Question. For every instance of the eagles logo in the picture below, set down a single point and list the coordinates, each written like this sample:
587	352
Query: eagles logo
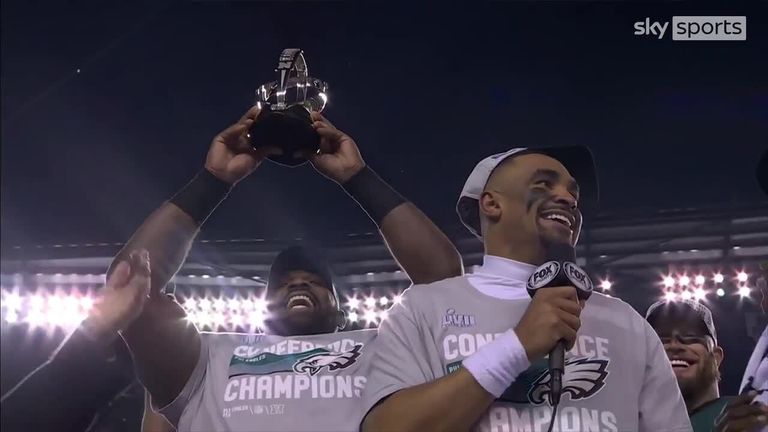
332	360
582	378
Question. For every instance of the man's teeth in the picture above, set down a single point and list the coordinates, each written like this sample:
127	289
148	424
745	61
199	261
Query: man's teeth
681	363
559	218
299	301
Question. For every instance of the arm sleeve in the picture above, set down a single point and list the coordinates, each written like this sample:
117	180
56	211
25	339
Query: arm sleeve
45	399
194	385
401	359
661	404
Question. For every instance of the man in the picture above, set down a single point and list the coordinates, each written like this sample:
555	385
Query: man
301	375
468	352
87	362
687	331
749	411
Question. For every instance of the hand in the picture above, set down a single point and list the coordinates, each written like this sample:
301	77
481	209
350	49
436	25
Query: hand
123	297
339	158
231	157
552	315
742	415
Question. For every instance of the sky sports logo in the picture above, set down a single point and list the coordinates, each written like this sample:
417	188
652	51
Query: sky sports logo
696	28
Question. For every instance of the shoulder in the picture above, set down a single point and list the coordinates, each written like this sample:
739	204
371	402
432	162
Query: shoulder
615	312
423	292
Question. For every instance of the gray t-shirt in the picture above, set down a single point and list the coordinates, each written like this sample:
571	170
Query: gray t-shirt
617	376
248	382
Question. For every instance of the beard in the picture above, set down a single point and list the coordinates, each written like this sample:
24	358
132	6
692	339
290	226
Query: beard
708	374
289	323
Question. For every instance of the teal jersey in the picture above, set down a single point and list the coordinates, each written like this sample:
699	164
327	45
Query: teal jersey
703	417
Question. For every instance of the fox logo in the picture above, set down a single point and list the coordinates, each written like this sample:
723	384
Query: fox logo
313	364
582	378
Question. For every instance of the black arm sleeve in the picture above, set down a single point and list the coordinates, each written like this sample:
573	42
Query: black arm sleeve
65	392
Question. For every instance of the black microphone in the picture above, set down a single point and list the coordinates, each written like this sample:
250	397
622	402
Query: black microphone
559	270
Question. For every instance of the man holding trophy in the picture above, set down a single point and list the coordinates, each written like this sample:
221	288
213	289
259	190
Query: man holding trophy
302	374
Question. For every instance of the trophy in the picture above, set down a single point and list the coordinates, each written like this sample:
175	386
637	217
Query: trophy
285	104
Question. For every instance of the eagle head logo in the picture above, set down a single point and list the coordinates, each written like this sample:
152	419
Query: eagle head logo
313	364
583	378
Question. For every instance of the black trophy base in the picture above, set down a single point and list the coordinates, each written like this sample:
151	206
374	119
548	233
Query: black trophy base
290	130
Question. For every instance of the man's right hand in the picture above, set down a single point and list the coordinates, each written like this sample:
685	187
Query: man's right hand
553	315
743	415
231	157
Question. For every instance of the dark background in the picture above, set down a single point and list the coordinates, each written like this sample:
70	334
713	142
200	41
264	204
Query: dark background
426	91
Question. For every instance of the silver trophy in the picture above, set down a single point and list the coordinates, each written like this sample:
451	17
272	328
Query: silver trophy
285	105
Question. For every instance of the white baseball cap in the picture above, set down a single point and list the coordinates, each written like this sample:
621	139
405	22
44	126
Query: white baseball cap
680	308
576	159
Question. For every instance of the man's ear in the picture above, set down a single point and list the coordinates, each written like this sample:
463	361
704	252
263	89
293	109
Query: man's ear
719	355
489	206
341	320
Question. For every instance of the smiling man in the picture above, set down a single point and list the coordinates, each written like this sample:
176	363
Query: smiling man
688	333
302	374
469	352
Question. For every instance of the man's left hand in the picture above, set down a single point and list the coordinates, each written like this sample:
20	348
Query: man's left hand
339	158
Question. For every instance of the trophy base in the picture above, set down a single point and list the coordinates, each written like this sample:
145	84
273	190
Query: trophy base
290	130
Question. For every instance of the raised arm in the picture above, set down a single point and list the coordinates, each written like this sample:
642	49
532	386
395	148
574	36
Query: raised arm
423	252
165	346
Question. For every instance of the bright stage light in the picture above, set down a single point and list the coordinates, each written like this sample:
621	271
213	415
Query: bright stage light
720	292
397	299
256	319
205	305
236	319
370	317
12	302
744	291
742	277
686	295
670	296
219	304
669	281
35	318
700	280
352	316
86	303
699	294
383	315
684	280
190	304
383	301
11	317
370	302
233	304
606	285
718	278
353	302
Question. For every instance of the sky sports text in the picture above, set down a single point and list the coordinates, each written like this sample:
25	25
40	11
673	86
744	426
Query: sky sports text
696	28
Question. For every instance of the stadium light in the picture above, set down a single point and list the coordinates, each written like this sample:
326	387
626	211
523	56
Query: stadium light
12	302
720	292
742	277
369	316
744	291
397	299
606	285
670	296
684	280
353	302
383	301
700	280
370	302
11	317
352	316
686	295
669	281
699	294
718	278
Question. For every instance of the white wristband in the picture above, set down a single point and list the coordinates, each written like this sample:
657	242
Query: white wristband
496	365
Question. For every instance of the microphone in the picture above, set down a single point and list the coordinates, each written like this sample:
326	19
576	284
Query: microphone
559	270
